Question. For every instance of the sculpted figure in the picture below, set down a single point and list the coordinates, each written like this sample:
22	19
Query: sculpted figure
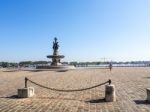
55	44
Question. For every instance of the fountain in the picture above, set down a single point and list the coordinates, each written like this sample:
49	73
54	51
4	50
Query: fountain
55	57
56	64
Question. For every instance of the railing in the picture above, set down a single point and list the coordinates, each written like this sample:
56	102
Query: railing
62	90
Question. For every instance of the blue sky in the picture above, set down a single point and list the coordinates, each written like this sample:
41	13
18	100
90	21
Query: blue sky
87	30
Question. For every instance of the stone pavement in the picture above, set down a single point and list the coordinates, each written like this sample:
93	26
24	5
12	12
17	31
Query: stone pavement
130	90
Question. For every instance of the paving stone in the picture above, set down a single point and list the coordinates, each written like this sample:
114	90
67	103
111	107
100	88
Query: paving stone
130	84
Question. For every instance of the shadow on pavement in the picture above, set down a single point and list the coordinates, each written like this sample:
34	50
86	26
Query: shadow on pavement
12	97
96	101
141	102
147	77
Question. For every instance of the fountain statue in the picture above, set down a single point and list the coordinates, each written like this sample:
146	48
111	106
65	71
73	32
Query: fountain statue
55	57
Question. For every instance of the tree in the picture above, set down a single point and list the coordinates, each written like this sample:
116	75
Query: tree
40	62
4	64
74	63
23	63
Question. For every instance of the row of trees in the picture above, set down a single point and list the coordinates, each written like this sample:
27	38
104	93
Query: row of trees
26	63
7	64
75	63
23	63
87	63
33	62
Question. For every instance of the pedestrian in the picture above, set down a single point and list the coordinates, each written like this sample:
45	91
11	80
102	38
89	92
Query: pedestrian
110	66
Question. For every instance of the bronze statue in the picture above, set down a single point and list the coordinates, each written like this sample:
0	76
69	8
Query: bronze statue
55	44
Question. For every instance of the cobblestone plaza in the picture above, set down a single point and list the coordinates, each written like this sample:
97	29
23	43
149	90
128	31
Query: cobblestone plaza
130	83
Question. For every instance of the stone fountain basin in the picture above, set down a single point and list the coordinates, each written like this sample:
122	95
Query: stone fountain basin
58	67
55	56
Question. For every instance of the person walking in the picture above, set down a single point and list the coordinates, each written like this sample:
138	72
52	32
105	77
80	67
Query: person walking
110	66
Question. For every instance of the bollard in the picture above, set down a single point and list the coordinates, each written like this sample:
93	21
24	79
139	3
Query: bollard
148	94
110	95
26	79
26	92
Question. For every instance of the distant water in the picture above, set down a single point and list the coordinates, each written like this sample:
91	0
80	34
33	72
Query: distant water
114	65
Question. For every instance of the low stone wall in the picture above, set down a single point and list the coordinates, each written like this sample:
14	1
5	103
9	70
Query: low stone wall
55	67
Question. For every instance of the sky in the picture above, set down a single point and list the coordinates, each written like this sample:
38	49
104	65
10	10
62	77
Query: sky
87	30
